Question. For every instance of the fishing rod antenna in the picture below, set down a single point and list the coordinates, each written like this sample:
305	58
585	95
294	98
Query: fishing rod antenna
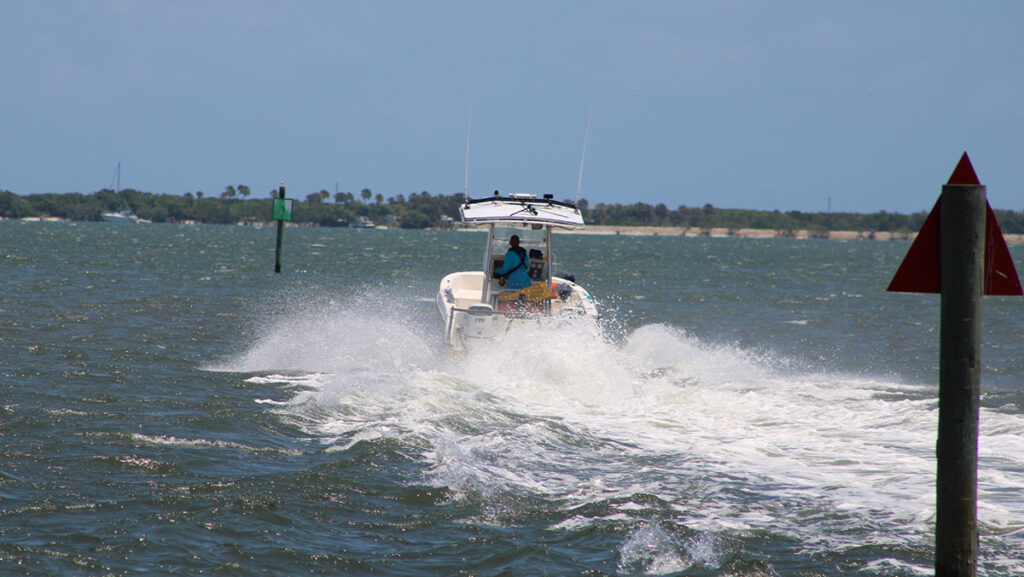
469	128
583	156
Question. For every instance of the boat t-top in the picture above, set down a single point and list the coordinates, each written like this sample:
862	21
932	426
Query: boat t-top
478	306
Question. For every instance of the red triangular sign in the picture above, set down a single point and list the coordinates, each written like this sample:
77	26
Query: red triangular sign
1000	274
921	269
964	173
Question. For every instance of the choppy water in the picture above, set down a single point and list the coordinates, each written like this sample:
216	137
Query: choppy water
168	405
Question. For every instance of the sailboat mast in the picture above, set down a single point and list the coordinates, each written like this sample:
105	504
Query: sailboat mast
117	178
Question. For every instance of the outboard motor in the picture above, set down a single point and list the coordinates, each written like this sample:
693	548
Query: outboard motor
480	322
563	291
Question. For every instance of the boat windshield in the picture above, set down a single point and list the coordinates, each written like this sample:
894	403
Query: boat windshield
532	238
528	238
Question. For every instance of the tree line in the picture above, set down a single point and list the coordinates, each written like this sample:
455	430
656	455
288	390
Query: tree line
423	210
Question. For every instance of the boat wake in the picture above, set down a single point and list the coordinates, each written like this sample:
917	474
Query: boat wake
685	445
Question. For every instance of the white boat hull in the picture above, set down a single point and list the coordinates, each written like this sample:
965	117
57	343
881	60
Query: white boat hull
469	321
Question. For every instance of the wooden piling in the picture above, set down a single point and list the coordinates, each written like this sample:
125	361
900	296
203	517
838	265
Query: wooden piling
962	241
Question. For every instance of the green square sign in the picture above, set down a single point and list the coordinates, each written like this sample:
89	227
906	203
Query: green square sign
283	209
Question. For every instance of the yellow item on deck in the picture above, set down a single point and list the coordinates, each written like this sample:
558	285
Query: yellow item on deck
533	294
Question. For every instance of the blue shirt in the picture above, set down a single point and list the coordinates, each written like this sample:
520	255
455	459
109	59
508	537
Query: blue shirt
520	277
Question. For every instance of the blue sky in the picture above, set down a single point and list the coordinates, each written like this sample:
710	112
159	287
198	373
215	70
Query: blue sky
762	105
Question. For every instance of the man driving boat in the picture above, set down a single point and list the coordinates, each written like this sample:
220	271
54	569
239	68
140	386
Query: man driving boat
516	267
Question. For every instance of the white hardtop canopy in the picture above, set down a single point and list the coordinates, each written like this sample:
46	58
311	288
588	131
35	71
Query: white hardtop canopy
521	208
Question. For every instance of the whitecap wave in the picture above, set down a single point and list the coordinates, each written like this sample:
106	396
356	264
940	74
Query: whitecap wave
732	440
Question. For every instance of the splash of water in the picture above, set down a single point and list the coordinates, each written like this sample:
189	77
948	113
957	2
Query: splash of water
724	439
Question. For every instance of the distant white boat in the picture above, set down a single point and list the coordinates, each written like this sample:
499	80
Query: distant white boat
362	222
125	215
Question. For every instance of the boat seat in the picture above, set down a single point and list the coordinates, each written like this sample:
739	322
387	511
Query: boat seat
520	307
534	293
465	289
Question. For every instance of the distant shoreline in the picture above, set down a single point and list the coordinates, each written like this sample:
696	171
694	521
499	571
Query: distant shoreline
756	233
716	232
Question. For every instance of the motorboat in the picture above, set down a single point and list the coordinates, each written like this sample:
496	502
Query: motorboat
362	222
479	306
122	216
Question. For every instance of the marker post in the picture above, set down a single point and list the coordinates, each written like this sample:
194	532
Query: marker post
960	253
282	212
962	242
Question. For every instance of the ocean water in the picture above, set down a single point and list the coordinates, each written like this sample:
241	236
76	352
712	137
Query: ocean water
168	405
